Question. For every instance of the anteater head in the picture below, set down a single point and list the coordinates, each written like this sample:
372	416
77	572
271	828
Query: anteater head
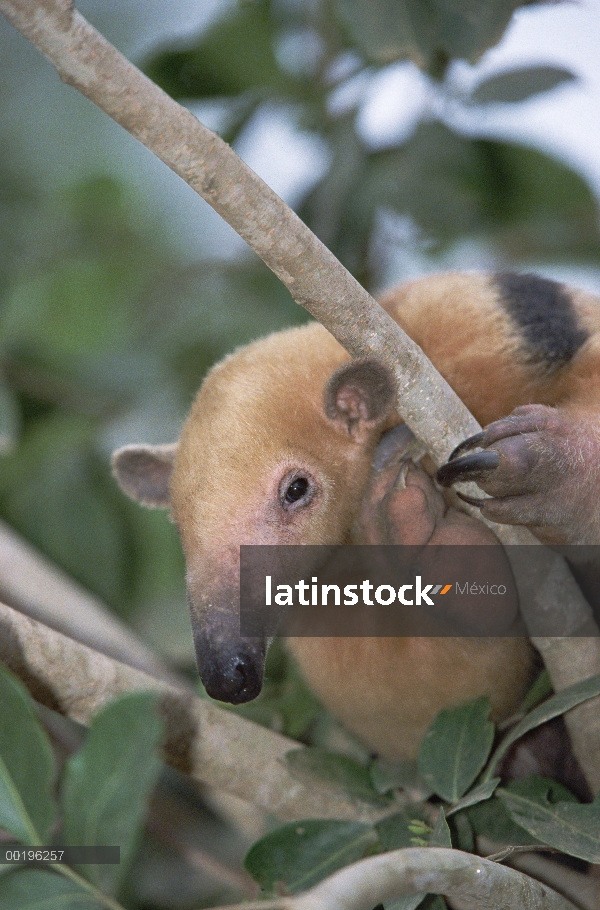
276	450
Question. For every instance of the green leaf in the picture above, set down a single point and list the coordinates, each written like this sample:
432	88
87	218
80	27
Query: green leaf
567	825
412	901
520	199
409	902
396	831
387	775
477	795
425	32
108	782
539	788
434	902
559	704
456	747
79	307
340	219
382	31
199	329
437	177
37	889
59	495
491	819
540	689
537	205
520	84
340	770
9	419
234	55
440	836
300	854
463	836
26	766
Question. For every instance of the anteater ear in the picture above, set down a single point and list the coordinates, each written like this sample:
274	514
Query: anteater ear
144	472
360	395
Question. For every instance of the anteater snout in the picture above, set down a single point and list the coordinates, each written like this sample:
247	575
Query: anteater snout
231	674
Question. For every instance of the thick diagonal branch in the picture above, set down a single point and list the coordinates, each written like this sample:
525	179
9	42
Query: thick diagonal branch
213	745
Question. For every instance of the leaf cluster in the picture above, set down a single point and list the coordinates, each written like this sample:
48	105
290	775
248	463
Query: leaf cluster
102	797
318	62
451	795
460	798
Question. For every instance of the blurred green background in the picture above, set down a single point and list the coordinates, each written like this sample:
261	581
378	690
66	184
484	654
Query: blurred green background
391	128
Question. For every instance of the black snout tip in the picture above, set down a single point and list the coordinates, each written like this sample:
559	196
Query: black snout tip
237	680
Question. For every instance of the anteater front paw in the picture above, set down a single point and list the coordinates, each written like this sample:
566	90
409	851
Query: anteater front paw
539	466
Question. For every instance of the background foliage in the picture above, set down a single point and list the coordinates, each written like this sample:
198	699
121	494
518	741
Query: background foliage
106	329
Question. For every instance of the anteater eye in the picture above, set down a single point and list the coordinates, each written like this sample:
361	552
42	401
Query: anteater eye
296	490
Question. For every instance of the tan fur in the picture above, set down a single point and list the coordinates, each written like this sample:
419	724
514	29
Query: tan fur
223	472
456	319
388	690
261	410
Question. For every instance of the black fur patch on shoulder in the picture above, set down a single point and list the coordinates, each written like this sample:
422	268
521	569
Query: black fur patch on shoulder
545	315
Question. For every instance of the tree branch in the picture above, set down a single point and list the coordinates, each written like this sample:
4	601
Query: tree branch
580	887
211	744
34	586
318	282
472	883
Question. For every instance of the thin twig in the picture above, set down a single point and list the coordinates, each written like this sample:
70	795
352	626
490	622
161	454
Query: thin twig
509	852
36	587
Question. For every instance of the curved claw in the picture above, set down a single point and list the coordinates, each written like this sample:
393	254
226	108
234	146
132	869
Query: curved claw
472	500
471	443
469	467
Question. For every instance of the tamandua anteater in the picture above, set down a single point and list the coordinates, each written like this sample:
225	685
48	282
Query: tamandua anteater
278	447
